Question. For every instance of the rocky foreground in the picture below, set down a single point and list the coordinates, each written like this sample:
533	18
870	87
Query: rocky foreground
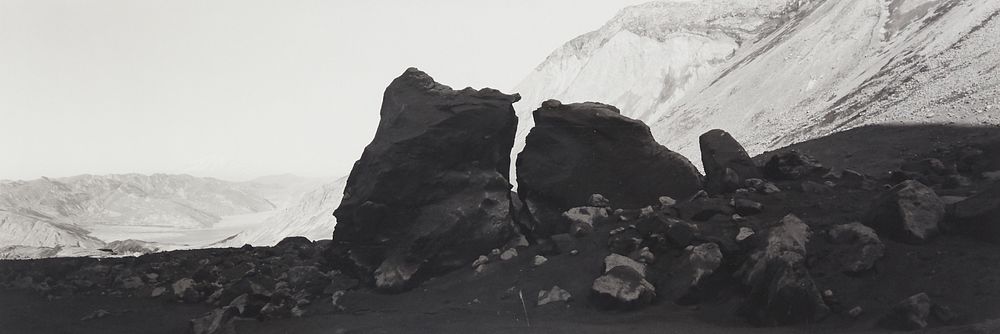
873	229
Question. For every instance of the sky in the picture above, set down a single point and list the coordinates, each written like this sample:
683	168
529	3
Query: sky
236	89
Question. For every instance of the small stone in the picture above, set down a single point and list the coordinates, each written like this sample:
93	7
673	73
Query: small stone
615	260
646	256
100	313
744	233
599	200
508	254
480	261
556	294
855	312
646	212
157	291
538	260
747	207
337	300
574	252
495	251
667	201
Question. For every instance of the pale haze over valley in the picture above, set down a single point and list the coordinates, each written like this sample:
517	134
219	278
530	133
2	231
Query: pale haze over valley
241	89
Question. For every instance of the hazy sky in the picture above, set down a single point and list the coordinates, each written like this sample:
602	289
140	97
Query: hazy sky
238	89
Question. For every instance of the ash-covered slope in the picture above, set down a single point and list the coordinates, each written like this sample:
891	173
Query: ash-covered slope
648	56
777	72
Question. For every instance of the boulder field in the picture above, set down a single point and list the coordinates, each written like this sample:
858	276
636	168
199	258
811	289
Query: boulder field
608	231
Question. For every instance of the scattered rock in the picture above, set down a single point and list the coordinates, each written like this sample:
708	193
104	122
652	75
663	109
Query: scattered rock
908	212
646	256
781	289
480	261
615	260
157	291
686	279
909	314
598	200
622	287
625	241
583	219
861	246
576	150
667	201
744	233
184	289
761	186
855	312
100	313
726	163
431	190
508	254
538	260
792	165
745	207
556	294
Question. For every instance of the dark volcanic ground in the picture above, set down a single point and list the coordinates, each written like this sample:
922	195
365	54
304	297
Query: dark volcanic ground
954	270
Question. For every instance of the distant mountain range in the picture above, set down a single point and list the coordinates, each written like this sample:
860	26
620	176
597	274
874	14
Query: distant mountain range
52	213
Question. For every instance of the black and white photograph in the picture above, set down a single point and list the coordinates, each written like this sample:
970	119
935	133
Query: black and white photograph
505	166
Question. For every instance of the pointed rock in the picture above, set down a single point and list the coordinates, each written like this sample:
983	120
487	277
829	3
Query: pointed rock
431	191
726	162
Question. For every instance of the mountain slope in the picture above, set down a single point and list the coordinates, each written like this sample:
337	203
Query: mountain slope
774	73
311	217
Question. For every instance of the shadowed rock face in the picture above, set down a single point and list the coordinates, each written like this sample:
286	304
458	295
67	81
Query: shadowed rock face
431	191
725	161
577	150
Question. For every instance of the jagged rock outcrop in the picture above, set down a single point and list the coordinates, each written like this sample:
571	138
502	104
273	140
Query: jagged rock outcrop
781	289
431	191
909	212
725	161
576	150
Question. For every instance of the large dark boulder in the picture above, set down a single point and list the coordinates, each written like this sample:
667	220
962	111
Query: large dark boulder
431	191
576	150
726	162
979	215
